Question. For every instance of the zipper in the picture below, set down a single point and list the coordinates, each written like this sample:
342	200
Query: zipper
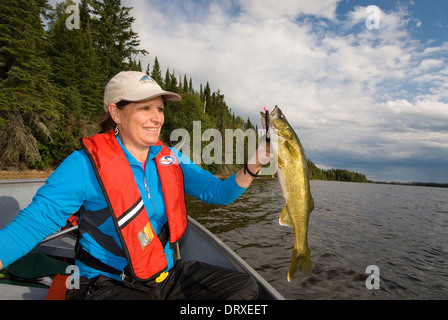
144	177
147	189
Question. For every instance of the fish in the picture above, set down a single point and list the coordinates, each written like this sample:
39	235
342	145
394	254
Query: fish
293	176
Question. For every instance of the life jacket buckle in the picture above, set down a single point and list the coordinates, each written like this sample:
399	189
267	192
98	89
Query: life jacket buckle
129	280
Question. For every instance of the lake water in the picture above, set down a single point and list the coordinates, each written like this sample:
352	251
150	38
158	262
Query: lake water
400	229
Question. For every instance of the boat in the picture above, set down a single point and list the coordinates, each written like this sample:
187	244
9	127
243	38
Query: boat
198	244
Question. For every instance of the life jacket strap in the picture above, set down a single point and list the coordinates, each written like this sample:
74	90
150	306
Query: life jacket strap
95	263
90	261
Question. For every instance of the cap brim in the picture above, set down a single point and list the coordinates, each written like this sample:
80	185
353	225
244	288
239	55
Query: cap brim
145	95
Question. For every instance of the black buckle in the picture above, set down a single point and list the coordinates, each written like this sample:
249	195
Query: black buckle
127	279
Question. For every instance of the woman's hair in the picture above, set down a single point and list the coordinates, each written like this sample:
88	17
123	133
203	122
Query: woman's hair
106	121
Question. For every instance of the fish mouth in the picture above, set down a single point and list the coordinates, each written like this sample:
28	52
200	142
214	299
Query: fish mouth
274	112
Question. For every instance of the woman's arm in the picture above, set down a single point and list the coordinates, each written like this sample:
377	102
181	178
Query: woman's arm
62	195
208	188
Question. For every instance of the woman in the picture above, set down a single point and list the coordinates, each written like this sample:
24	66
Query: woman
129	190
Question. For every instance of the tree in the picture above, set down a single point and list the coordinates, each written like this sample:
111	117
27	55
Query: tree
76	66
76	71
156	73
115	41
29	104
207	97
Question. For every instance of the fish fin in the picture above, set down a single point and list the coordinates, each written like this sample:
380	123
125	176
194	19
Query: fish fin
311	203
284	219
300	260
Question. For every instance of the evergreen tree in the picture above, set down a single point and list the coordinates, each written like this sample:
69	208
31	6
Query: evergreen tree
29	102
207	97
76	66
186	88
116	42
156	73
190	86
76	71
167	81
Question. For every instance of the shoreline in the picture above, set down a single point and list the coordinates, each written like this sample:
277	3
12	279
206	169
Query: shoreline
17	174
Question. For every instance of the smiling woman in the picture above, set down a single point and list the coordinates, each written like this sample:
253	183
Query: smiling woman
139	124
129	189
135	111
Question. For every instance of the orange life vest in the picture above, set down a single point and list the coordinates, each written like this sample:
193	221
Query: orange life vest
143	249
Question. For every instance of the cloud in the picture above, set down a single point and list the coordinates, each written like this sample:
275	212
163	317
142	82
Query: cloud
358	95
268	9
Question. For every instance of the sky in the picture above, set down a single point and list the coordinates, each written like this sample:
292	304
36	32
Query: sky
365	88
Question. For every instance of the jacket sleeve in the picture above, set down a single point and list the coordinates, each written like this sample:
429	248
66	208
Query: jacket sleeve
60	196
206	187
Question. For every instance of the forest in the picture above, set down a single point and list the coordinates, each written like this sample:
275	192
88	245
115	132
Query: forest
53	70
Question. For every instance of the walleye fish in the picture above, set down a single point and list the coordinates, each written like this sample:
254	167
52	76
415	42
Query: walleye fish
294	182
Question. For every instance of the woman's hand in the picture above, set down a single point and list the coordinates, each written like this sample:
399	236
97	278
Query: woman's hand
261	157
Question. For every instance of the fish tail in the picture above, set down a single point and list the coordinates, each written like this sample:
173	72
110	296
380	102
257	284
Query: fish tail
300	260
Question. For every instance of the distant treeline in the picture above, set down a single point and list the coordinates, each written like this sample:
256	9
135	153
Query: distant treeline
418	184
334	174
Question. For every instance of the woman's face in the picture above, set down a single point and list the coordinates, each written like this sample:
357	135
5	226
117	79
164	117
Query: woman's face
139	123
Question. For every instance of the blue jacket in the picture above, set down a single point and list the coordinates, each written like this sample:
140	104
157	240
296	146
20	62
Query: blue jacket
73	184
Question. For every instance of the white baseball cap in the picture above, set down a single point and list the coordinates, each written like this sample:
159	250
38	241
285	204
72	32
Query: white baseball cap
134	86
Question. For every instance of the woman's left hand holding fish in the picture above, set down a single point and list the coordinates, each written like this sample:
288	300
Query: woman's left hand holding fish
261	157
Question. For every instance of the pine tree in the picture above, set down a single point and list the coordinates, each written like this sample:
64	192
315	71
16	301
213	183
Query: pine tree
186	88
156	73
76	71
75	63
116	42
190	86
167	81
28	99
207	98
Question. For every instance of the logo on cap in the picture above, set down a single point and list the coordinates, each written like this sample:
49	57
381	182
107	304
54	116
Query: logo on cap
167	160
146	79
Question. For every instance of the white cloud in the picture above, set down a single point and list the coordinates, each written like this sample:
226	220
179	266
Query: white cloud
289	8
428	64
432	50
